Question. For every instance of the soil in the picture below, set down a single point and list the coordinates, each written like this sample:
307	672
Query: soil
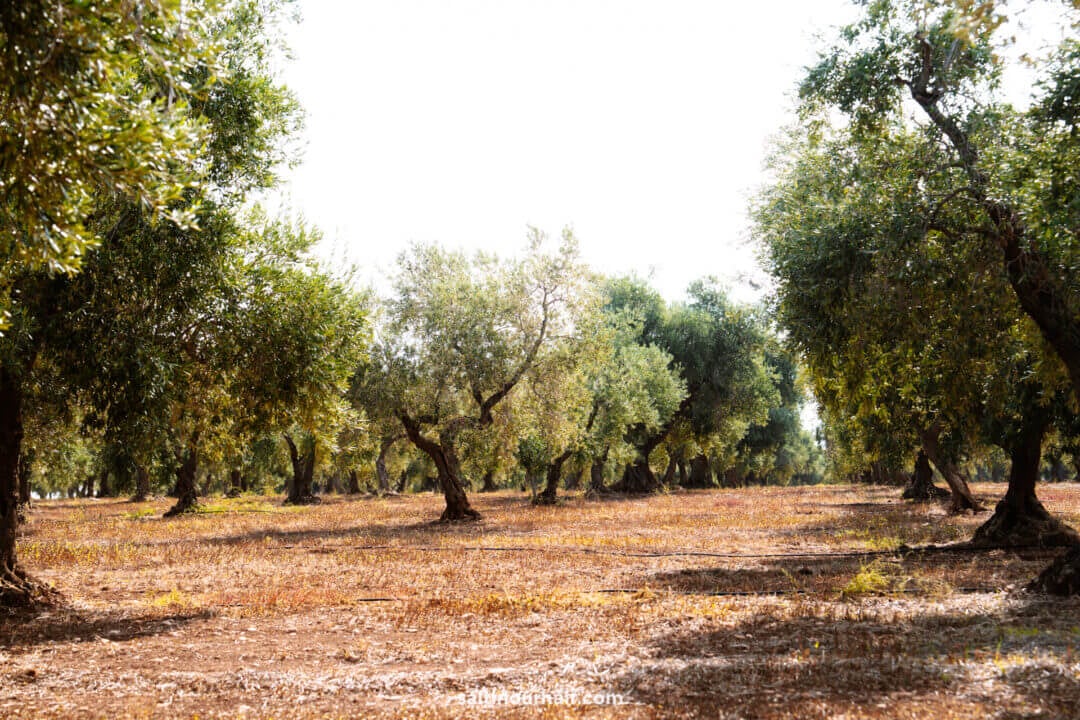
755	603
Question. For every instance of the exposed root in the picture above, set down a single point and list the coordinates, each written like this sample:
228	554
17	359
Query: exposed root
1062	577
17	589
924	492
546	498
303	500
182	507
459	515
1028	525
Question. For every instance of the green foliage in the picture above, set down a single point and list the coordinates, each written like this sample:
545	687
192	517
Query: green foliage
884	230
94	99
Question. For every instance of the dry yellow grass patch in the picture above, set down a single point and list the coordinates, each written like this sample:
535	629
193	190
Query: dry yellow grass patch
759	603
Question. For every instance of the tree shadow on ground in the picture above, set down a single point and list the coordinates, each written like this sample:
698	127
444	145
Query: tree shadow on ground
810	666
28	628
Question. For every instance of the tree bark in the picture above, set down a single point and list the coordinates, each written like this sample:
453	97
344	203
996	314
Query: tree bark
488	484
303	465
15	587
235	483
596	475
446	462
1020	520
142	483
554	474
382	475
638	477
354	483
104	486
187	493
962	498
701	474
26	465
922	487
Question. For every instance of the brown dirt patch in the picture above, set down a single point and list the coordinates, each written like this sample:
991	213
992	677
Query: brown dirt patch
362	607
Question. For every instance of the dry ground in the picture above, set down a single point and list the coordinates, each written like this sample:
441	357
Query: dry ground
362	607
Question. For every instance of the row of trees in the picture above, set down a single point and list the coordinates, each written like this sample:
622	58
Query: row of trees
923	234
157	327
535	362
147	305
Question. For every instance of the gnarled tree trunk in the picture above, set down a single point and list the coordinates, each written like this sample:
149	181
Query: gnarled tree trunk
26	466
382	475
701	474
1020	520
235	483
142	483
104	486
303	465
638	477
187	493
962	498
554	474
449	471
596	475
354	483
922	487
15	587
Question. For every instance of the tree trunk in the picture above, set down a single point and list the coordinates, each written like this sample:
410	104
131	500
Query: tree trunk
669	473
15	587
684	479
187	494
554	473
1020	520
104	486
235	483
26	466
142	484
922	487
354	483
638	479
962	499
596	475
446	462
701	474
382	475
303	465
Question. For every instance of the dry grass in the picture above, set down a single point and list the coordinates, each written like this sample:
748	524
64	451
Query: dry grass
365	608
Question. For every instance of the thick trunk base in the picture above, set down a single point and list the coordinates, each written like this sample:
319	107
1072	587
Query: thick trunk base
547	497
922	487
459	515
637	479
924	493
1062	577
186	504
17	589
308	499
920	492
1023	524
701	474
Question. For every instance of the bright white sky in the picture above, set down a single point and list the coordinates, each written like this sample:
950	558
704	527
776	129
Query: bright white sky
642	124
